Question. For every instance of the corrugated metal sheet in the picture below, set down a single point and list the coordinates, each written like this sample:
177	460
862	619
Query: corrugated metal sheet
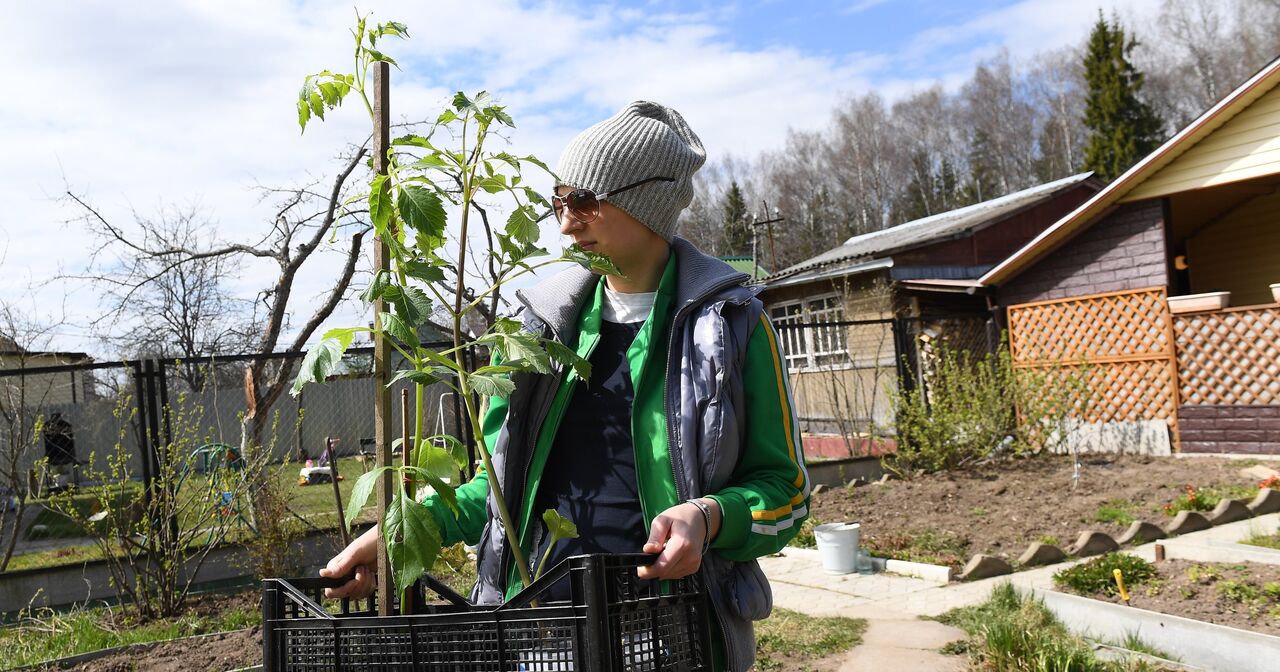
930	229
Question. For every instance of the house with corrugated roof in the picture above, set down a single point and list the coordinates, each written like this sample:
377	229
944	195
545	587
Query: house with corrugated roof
844	314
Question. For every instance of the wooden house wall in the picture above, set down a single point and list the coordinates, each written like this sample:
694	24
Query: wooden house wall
1239	253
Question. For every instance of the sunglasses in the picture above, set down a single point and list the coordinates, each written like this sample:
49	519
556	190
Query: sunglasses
583	205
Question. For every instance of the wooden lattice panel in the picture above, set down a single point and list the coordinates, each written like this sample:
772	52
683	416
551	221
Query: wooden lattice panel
1102	326
1230	357
1125	341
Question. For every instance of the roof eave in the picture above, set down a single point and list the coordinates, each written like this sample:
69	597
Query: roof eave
1102	201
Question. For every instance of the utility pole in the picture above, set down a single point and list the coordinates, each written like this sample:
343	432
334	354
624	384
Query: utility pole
382	398
768	223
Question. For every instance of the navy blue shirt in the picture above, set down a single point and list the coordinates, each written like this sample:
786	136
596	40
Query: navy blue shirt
590	474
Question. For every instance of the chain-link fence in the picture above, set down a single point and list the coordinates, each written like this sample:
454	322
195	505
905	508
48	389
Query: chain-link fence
132	429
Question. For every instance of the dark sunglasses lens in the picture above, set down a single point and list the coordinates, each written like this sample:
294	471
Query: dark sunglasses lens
582	204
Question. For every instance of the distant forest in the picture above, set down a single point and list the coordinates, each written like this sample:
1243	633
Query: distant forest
1012	125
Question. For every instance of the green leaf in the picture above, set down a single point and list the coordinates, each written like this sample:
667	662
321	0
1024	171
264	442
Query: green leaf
304	112
424	271
495	184
413	306
443	489
323	357
462	103
360	493
491	385
439	359
376	287
521	227
446	117
508	159
596	263
566	356
413	140
380	203
379	56
558	526
429	377
537	162
518	349
436	461
422	210
413	540
456	448
317	104
431	161
500	113
396	327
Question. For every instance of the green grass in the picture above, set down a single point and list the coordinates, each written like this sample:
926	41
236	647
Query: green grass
1097	575
312	502
1264	540
787	635
1136	644
1114	511
47	635
1013	632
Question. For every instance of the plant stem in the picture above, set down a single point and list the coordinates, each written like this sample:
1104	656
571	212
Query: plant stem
464	382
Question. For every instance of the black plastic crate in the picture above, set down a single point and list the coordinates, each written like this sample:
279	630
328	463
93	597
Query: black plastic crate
614	622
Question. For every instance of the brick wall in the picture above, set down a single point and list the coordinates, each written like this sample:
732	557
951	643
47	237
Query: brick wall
1123	251
1230	429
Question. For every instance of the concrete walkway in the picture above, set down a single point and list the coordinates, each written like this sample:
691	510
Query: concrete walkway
893	605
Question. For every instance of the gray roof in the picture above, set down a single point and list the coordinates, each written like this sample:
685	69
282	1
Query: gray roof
953	223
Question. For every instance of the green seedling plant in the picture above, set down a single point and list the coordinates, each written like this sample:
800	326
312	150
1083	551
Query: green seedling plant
449	167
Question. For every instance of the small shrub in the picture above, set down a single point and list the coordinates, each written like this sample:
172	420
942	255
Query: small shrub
971	409
1203	574
1096	576
1272	590
1244	592
1205	499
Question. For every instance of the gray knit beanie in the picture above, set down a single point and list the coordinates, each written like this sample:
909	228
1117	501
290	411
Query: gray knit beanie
643	140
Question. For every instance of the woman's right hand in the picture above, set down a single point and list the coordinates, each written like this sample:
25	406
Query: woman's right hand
359	557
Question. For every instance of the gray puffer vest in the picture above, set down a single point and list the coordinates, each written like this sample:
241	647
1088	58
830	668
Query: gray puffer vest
713	318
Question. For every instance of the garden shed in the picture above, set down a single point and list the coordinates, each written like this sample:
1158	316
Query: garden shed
1165	284
849	317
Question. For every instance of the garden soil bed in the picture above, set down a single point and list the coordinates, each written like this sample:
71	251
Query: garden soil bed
1244	595
216	653
998	509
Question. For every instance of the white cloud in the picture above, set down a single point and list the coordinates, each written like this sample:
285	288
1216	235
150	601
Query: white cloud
141	103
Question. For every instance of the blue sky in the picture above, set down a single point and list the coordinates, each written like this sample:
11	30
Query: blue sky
143	105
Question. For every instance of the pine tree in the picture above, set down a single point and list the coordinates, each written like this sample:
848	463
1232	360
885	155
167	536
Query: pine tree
1122	127
736	229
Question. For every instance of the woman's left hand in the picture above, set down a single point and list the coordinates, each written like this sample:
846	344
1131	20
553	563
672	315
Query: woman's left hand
677	536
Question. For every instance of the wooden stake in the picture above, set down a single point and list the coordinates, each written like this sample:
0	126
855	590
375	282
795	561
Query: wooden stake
381	351
337	492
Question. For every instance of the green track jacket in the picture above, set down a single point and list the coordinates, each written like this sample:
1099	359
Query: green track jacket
735	428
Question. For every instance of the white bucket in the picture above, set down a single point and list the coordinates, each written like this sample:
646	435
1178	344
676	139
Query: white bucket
838	546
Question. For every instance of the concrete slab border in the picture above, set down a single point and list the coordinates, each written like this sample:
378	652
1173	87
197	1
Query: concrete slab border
1197	643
